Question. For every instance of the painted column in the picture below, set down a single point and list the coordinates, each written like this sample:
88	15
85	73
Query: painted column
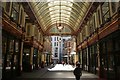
43	57
76	57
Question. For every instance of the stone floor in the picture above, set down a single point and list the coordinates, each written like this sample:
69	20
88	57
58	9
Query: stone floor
44	74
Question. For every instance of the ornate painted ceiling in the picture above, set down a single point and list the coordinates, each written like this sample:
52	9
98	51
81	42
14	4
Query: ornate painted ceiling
67	13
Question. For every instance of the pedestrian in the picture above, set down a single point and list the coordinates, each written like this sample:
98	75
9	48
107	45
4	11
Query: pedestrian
77	71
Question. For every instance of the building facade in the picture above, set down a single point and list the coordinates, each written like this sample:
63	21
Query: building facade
57	48
70	55
98	40
22	40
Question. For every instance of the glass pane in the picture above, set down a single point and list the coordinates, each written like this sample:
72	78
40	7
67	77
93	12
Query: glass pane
114	5
98	16
16	46
9	57
16	6
70	12
4	47
105	11
105	7
7	7
11	47
14	15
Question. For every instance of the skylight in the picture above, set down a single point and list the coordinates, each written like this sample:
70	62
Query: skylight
58	10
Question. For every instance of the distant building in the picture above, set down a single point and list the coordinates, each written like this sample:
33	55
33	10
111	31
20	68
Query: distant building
58	48
70	50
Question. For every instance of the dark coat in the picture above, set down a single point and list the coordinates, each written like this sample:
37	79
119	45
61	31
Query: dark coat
77	71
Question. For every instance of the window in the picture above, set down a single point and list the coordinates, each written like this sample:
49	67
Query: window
17	46
4	48
21	16
9	54
54	38
51	38
114	6
6	6
63	40
56	54
92	25
63	45
105	11
83	33
56	49
55	44
11	47
99	17
15	12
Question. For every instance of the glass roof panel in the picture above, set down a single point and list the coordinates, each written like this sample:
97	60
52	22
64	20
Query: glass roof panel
55	30
60	11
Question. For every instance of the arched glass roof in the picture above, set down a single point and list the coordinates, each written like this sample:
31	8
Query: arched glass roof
59	11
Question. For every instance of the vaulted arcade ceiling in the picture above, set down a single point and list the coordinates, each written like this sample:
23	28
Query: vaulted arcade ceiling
67	13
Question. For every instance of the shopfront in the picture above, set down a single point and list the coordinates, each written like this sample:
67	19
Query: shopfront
26	58
110	57
11	46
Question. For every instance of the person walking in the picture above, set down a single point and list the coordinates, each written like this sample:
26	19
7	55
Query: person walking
77	71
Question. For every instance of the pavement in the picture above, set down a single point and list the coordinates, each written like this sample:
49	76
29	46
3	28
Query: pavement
44	74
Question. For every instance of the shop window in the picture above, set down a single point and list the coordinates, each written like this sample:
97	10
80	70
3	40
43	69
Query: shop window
110	58
35	56
26	55
4	48
117	45
16	46
109	46
105	11
15	12
84	59
103	56
11	47
9	54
